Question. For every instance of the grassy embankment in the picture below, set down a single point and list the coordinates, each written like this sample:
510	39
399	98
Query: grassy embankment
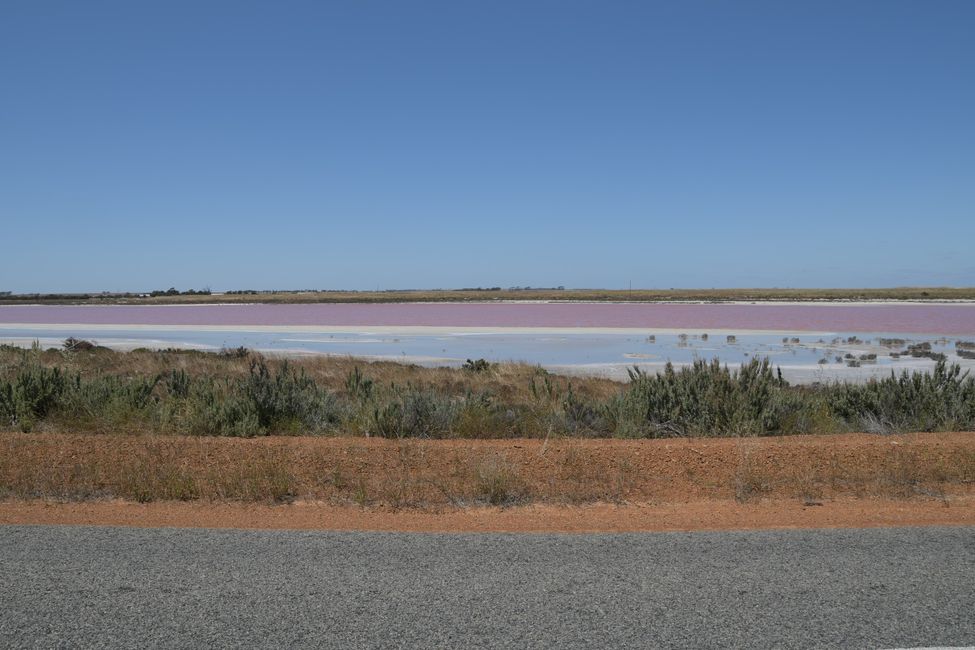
52	403
462	295
239	393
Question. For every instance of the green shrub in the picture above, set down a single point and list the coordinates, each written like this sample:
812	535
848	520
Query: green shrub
288	399
111	400
228	415
940	400
481	365
33	392
415	414
178	383
702	399
358	386
581	417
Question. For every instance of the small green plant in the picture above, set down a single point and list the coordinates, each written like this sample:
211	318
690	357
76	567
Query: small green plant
547	390
358	386
178	383
34	392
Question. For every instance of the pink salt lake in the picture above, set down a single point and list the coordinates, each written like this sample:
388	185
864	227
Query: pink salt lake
951	319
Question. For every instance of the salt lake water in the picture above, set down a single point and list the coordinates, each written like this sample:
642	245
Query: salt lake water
809	341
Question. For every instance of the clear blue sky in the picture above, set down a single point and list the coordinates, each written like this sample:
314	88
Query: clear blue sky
419	144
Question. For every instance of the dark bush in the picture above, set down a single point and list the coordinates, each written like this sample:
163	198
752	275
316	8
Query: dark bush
72	344
480	365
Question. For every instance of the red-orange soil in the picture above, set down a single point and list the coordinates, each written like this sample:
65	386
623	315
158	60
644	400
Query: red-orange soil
694	516
567	485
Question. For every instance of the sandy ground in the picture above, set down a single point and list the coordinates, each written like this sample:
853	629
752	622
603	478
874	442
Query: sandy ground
559	485
629	517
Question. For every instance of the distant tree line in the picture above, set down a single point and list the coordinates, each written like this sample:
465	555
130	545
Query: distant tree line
173	291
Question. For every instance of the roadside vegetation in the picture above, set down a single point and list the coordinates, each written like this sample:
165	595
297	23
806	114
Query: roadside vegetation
82	388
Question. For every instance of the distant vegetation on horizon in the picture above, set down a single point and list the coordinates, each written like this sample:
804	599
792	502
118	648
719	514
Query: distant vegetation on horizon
205	295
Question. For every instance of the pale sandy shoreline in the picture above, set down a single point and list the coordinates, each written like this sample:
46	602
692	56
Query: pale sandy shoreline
617	371
122	337
798	373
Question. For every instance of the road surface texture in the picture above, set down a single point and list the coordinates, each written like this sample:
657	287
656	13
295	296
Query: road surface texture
129	587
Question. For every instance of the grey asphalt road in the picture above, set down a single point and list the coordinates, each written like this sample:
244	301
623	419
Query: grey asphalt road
123	587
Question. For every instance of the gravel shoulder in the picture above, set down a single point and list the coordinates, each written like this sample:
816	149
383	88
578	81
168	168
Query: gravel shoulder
711	515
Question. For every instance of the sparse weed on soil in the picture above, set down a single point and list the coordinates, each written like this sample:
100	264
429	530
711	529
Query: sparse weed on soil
413	473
